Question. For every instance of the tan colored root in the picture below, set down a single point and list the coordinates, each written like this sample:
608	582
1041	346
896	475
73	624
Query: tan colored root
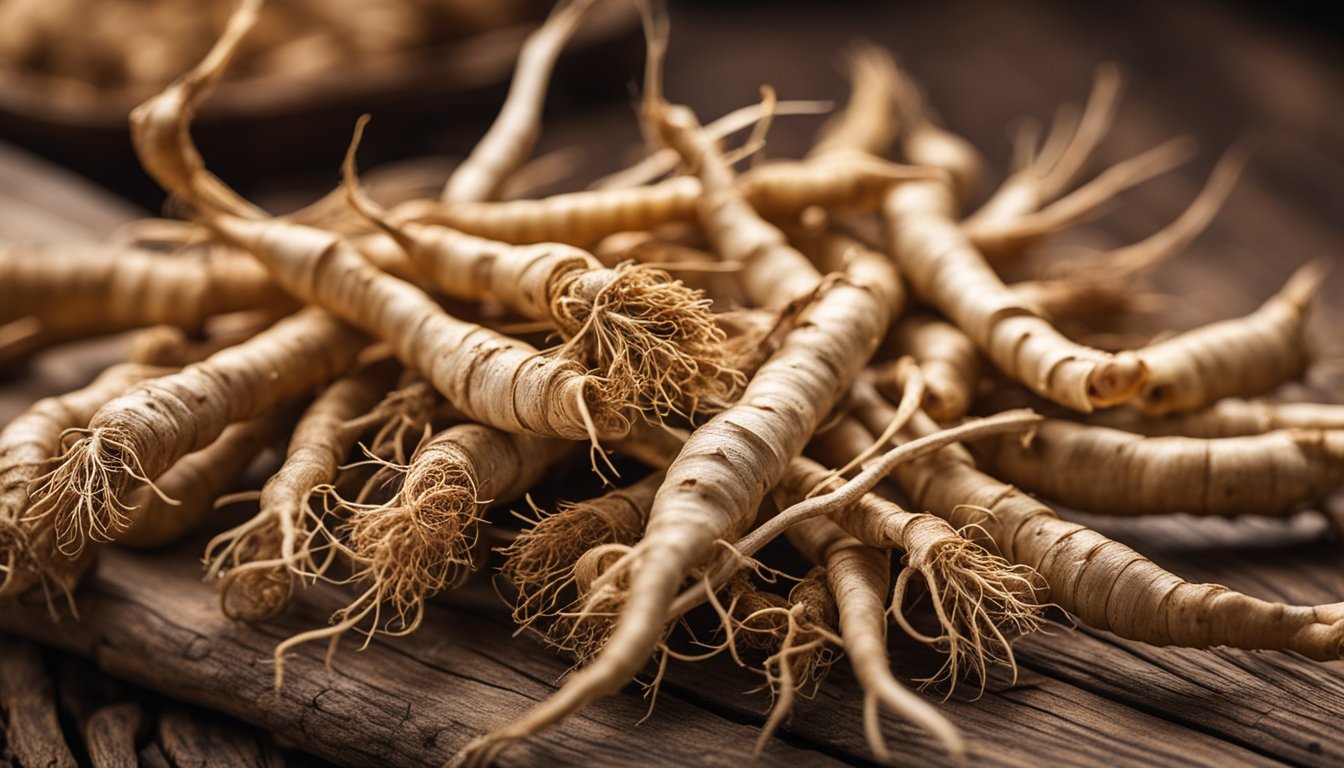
1126	263
86	496
254	583
923	142
1106	584
1003	240
424	540
136	437
1241	357
583	628
516	129
945	270
663	161
541	562
648	339
1045	173
982	602
651	340
1229	417
197	480
948	362
859	577
27	446
869	123
94	290
1107	471
804	653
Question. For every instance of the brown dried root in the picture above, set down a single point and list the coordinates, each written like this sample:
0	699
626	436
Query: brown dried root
804	641
649	338
541	563
424	539
982	602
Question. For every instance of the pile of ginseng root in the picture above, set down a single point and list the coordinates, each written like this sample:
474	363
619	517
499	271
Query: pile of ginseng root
810	373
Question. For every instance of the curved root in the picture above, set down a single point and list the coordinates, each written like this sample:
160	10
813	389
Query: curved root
81	499
652	340
982	601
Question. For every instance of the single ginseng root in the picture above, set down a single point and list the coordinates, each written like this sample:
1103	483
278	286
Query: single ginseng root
258	562
1108	471
859	577
424	539
798	632
136	437
28	550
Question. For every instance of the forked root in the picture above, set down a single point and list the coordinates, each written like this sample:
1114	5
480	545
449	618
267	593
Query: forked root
982	602
651	339
81	499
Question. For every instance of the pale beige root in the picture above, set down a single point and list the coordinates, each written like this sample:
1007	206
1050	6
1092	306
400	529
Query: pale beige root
778	190
1229	417
774	273
160	128
423	540
1124	264
947	359
718	480
518	125
982	602
860	577
138	436
490	377
258	562
27	446
1003	239
1044	173
664	160
96	290
869	122
945	270
1249	355
649	339
923	142
540	563
1107	471
1103	582
197	480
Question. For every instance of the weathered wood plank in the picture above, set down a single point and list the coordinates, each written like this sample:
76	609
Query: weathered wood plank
406	702
32	731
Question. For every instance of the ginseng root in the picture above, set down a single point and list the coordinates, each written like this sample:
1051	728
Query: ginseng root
258	562
1107	471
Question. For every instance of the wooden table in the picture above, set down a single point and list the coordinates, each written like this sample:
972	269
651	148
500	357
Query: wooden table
1082	697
